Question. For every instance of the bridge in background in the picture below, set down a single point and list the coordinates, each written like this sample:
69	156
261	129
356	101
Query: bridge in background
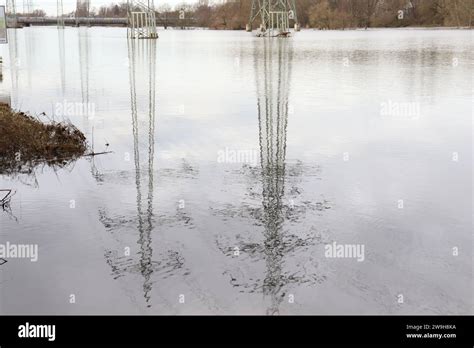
141	19
96	21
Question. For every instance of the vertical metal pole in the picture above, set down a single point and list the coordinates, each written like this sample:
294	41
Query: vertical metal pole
11	7
60	14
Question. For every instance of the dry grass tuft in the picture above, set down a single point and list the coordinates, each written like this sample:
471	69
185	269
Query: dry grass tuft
26	142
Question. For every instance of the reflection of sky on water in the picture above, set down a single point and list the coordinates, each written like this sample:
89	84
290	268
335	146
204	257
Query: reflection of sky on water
301	107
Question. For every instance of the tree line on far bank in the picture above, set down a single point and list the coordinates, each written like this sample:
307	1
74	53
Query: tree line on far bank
320	14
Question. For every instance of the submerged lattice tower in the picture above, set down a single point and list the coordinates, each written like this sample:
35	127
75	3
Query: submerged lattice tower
27	6
82	8
11	8
11	13
274	16
141	19
60	13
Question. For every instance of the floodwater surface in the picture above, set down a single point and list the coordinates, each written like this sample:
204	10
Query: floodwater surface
236	161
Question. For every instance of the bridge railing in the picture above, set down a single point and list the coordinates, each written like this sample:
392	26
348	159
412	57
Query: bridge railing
97	21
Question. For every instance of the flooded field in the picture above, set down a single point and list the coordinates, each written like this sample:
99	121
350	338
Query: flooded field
238	167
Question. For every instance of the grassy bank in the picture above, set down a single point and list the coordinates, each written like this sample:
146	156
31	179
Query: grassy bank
26	142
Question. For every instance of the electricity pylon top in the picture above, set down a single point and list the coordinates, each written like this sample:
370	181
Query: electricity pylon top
274	15
141	19
60	13
83	8
27	6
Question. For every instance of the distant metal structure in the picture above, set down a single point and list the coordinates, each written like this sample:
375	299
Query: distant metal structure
28	6
275	17
141	20
82	9
60	14
175	22
11	13
11	7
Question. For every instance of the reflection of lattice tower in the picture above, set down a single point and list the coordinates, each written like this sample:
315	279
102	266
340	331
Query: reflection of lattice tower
84	68
273	74
141	19
274	15
143	263
83	8
60	13
273	71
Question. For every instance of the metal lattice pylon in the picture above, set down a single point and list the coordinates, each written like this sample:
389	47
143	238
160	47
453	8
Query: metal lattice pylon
11	7
82	10
141	20
60	13
27	6
11	13
274	15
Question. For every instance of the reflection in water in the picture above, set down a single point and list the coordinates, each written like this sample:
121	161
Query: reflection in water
230	203
83	34
144	222
280	249
30	50
14	63
145	225
62	60
147	263
273	90
273	65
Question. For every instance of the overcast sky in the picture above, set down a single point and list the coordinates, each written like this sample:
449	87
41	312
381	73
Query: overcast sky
69	5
